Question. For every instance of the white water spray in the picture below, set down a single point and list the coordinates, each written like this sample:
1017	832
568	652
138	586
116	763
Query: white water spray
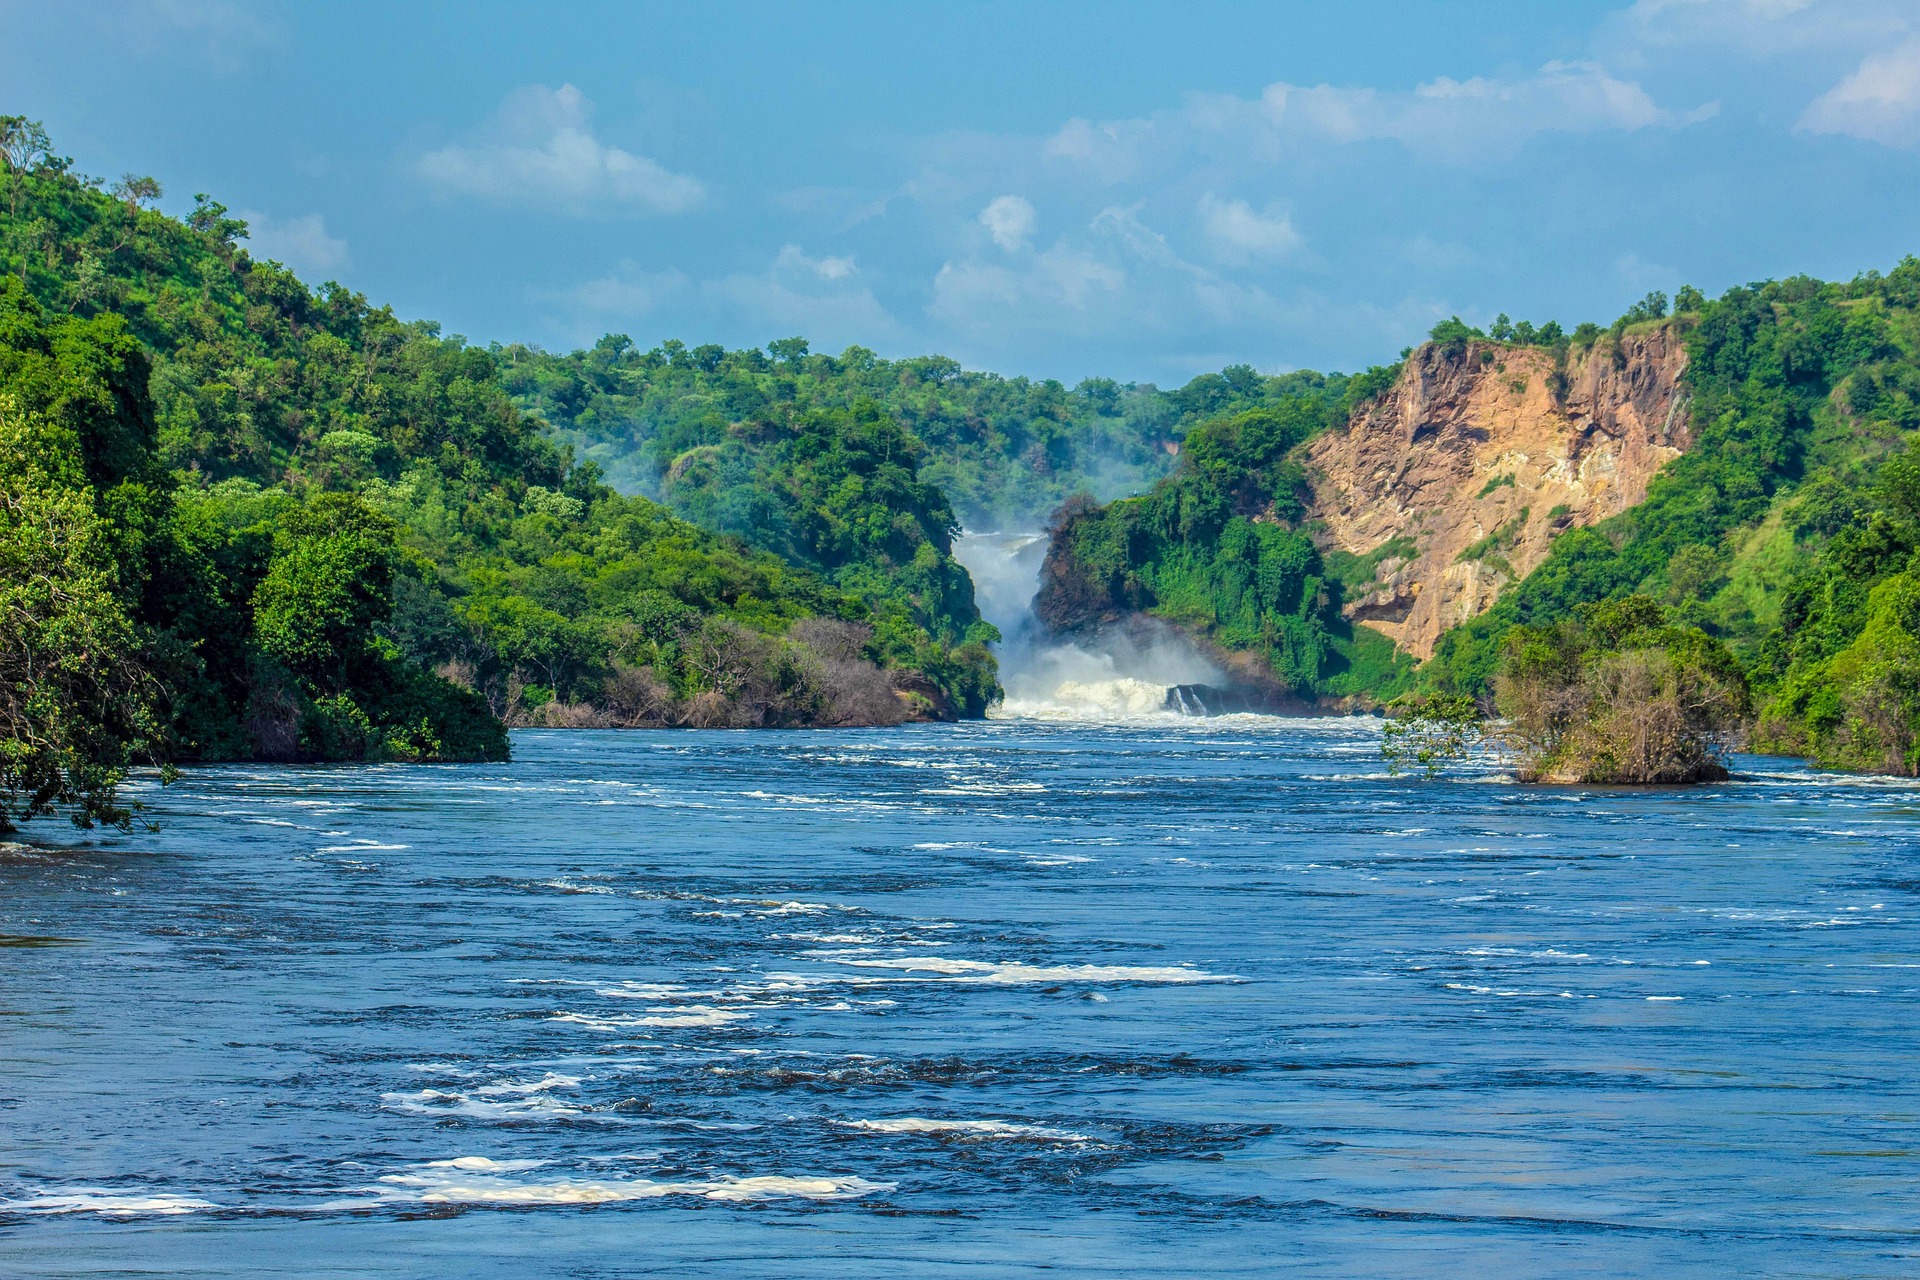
1119	677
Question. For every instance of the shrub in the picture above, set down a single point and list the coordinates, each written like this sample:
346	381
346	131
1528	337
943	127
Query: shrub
1620	694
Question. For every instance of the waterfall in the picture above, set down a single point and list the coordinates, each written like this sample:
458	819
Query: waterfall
1149	671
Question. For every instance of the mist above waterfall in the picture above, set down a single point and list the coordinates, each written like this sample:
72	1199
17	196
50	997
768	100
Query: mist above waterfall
1119	675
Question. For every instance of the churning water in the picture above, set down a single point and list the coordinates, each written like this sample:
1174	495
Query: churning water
1120	676
1200	998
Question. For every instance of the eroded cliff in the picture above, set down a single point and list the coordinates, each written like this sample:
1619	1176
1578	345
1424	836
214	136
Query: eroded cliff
1457	481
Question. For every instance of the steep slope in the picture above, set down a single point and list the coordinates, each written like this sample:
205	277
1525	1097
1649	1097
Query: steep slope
356	546
1217	551
1456	482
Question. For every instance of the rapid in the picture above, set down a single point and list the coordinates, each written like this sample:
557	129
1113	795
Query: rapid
1121	676
1105	993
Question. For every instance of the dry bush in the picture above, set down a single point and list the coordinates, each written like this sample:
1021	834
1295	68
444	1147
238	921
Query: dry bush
848	691
1638	716
637	698
832	638
712	710
458	671
569	715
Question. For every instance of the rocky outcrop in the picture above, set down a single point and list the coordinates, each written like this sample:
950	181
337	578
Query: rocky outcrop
1477	459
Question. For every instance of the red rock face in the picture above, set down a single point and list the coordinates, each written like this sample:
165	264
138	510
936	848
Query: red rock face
1481	459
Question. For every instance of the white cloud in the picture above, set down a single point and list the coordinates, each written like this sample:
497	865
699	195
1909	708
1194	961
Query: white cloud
1118	278
1240	234
300	243
1010	220
792	259
1878	102
1760	28
541	150
625	294
1443	119
981	296
779	305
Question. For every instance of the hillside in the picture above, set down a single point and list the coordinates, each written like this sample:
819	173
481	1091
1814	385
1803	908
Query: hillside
1004	451
1741	475
342	539
1219	551
1455	483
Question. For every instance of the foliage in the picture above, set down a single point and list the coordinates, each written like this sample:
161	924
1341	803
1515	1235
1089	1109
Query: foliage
1357	571
1005	451
1214	548
306	503
1430	730
1524	333
1797	388
77	704
1847	657
1619	693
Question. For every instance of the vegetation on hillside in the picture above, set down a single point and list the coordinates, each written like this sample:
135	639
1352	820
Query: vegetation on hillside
1217	550
1619	693
1775	528
325	533
1005	451
245	518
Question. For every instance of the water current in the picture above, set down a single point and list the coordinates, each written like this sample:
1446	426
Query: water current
1157	997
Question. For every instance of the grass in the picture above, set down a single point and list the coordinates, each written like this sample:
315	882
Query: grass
1352	570
1499	540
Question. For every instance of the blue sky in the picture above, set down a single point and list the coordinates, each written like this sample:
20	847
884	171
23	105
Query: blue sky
1129	190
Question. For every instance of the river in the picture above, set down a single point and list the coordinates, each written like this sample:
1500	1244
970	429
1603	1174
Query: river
1153	997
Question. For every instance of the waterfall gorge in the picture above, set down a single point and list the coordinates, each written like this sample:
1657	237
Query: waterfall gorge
1116	676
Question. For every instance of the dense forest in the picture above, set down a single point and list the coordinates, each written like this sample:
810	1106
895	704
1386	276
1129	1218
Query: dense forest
1769	576
248	519
1218	550
681	424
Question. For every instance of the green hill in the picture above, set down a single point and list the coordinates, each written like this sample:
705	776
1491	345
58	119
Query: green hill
1005	451
331	534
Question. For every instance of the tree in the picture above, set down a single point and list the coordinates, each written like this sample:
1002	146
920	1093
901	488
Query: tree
1429	730
209	218
137	191
24	146
329	583
1651	307
788	350
77	706
1452	335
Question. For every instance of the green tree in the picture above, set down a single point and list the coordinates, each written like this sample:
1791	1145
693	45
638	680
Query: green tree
77	706
329	583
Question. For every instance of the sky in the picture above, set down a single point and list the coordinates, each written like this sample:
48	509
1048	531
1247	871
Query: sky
1126	190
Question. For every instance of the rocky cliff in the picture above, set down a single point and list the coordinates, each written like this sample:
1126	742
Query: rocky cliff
1457	480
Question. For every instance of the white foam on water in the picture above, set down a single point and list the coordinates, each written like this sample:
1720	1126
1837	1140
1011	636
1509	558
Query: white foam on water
453	1182
103	1201
965	1128
507	1100
483	1164
1014	973
570	886
693	1015
653	991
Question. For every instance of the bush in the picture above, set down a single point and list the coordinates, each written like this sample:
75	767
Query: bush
1620	694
